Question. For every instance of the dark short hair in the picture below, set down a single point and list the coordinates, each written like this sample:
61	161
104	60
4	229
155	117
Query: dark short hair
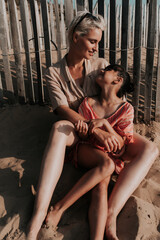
127	85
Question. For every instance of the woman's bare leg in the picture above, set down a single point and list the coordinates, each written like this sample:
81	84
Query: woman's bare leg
62	135
142	154
101	167
98	210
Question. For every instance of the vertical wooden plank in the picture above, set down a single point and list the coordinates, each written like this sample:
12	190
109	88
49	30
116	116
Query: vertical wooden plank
117	24
38	24
133	27
1	92
69	12
80	5
91	6
4	47
129	26
53	32
37	53
29	25
63	29
157	114
23	10
7	28
124	41
105	20
137	56
120	26
108	25
150	59
101	44
86	5
46	30
112	57
17	50
58	29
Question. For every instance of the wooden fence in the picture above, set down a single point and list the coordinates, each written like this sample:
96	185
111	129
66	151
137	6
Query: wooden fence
33	36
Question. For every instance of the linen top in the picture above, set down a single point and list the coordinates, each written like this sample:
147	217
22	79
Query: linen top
62	88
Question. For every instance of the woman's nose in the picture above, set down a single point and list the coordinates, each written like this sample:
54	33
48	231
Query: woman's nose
96	47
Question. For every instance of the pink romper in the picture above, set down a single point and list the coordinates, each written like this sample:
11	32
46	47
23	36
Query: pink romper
121	121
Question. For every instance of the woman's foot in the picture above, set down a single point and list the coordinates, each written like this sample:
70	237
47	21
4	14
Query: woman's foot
111	228
53	216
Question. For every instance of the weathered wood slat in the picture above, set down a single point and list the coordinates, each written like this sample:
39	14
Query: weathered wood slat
37	53
1	92
52	21
157	113
112	57
63	29
46	30
120	26
150	59
25	22
17	51
124	41
91	6
4	47
101	44
69	12
58	29
80	5
137	56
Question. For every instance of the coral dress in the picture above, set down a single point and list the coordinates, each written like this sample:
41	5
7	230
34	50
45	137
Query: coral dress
121	121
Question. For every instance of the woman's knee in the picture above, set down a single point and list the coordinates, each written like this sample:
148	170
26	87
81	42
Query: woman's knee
102	187
65	129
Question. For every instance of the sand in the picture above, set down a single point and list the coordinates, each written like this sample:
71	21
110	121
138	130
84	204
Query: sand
24	132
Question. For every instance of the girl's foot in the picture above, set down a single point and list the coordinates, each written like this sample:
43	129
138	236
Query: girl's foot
111	228
53	217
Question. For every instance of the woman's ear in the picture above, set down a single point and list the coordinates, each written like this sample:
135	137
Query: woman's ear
75	37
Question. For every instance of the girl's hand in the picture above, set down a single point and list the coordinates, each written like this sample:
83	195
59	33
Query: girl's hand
109	140
96	123
82	129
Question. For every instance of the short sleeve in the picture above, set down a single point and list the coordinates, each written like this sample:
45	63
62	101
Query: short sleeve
124	126
56	93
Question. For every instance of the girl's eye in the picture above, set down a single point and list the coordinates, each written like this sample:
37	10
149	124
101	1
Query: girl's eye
92	42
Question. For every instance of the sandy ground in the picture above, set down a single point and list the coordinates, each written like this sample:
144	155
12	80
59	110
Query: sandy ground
24	132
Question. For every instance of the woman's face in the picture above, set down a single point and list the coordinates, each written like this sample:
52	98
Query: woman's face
87	45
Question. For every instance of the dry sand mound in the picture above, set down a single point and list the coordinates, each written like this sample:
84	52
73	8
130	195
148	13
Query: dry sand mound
24	132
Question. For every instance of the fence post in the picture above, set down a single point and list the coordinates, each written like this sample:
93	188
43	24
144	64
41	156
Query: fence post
4	47
101	44
150	59
137	56
157	114
46	30
124	41
69	11
23	10
1	92
37	53
58	29
17	51
91	6
80	5
112	51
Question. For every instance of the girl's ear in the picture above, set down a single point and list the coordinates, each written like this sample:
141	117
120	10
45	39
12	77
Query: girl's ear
118	80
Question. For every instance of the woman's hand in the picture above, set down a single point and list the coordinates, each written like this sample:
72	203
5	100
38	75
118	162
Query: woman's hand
96	123
109	140
82	129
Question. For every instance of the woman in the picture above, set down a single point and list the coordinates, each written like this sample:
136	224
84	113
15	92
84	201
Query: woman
69	81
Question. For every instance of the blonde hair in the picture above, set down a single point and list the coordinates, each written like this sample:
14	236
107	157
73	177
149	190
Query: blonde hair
83	22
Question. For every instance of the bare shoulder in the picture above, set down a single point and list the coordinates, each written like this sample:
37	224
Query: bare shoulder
92	100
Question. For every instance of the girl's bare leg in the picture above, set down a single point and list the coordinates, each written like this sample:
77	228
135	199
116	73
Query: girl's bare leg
101	167
62	135
98	210
142	154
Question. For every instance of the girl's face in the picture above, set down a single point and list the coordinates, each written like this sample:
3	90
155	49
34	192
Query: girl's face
88	45
107	77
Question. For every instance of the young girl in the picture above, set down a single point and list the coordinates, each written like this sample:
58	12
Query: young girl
109	111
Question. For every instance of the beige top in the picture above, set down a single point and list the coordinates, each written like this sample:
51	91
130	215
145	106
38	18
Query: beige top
62	88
